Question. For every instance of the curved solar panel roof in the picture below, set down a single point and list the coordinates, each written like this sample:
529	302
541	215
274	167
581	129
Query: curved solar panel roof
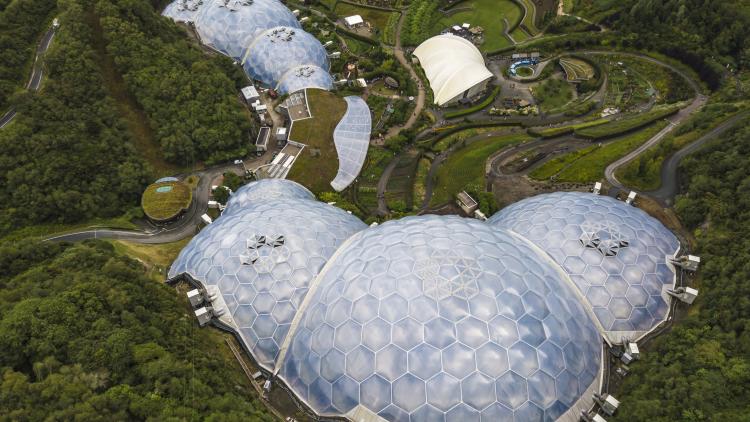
434	317
167	179
266	190
306	76
280	49
262	257
230	26
616	255
352	137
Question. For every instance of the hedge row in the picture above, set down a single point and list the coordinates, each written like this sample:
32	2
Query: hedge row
627	124
473	109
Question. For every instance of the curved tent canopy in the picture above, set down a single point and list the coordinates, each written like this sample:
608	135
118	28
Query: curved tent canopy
452	64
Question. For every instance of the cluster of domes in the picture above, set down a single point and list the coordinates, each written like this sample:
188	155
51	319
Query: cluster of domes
433	317
264	35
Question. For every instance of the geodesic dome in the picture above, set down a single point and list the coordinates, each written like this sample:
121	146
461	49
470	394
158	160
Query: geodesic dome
441	318
281	49
230	26
262	257
183	10
306	76
266	190
616	255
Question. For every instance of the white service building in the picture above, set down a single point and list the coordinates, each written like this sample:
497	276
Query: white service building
454	66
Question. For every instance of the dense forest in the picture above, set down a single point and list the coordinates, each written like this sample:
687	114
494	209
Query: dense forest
192	104
89	337
700	371
67	156
705	34
21	24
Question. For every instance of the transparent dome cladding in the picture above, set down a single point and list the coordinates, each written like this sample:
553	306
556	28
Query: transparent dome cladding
433	317
243	30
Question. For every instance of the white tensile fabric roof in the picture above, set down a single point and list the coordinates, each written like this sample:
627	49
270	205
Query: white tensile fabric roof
452	64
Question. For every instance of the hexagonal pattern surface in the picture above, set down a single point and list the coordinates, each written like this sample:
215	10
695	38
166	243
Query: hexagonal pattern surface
264	35
441	318
230	26
281	49
262	255
266	190
615	253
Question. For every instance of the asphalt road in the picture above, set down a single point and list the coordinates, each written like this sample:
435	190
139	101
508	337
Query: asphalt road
186	226
669	175
37	72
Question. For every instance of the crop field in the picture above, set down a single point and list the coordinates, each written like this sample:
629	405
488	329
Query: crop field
318	163
576	69
626	124
489	15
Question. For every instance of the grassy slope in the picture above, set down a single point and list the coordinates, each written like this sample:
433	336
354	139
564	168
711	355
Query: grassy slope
467	165
590	167
377	18
489	15
316	172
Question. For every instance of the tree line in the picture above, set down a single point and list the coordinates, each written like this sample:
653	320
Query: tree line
22	22
700	371
89	337
191	102
67	156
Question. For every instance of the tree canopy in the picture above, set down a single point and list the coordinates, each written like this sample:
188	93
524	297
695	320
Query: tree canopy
90	337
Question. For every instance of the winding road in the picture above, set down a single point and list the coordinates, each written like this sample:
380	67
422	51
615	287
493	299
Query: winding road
37	71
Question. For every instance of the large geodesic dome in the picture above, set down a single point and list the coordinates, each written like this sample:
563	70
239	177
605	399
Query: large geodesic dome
433	318
230	26
281	49
262	257
264	35
616	254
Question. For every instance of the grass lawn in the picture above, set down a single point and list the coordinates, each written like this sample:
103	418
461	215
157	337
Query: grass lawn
552	94
529	18
552	167
162	201
519	35
377	18
590	167
318	163
466	166
156	258
489	15
563	130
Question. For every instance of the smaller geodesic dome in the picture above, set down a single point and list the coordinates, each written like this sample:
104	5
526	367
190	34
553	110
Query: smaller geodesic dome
183	10
441	318
279	50
266	190
616	254
305	76
230	26
262	254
